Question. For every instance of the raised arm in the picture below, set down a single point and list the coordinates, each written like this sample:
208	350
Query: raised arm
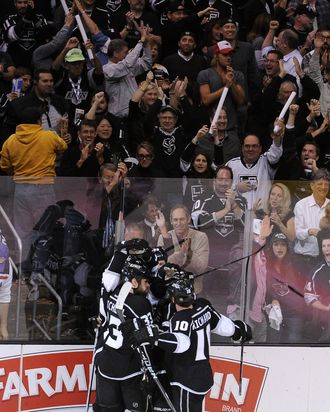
59	60
139	92
89	22
187	154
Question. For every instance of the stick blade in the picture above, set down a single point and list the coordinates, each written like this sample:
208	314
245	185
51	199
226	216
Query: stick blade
122	295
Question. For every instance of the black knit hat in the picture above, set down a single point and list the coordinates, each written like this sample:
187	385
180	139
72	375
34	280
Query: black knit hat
174	5
188	33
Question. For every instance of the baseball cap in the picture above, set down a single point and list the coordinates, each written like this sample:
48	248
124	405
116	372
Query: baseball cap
168	108
222	47
279	237
160	73
74	55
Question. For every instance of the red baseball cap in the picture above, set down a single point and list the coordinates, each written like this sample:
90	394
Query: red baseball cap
222	47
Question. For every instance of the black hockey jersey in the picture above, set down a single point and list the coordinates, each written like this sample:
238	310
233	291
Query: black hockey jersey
115	359
191	369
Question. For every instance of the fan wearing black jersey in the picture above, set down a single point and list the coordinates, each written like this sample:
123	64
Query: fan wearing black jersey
190	371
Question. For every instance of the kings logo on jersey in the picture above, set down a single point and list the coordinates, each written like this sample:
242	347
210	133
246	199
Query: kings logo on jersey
225	396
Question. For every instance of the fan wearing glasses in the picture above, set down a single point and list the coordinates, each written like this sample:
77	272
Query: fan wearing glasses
146	166
142	173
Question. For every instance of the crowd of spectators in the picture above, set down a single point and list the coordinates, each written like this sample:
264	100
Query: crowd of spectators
135	120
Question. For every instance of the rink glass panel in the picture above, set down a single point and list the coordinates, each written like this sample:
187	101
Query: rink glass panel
70	260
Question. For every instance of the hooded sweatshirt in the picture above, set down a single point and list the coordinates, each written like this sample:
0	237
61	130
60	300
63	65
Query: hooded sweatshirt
30	154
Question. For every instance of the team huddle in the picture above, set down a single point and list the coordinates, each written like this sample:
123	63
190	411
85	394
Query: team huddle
152	350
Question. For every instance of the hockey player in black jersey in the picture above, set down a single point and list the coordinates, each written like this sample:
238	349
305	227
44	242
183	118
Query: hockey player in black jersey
190	372
118	366
134	247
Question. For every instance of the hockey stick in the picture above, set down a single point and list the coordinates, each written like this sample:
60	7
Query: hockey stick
124	291
241	361
122	295
120	223
173	246
89	391
294	290
229	263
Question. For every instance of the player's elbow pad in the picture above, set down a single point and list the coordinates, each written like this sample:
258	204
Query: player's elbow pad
174	342
183	343
110	280
225	327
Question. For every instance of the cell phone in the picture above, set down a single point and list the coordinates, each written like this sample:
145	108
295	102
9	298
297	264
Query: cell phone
64	125
250	179
78	116
17	86
257	226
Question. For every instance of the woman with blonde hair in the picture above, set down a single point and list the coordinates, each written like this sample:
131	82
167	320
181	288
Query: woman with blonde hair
278	208
144	107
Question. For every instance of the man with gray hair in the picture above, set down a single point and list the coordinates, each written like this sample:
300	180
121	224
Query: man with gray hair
122	68
191	247
308	213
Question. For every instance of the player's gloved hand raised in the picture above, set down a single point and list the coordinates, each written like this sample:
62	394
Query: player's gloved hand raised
136	246
110	280
159	254
146	335
243	331
158	288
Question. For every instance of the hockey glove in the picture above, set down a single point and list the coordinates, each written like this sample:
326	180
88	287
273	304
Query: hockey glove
146	335
158	288
159	254
128	328
110	280
133	246
243	331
